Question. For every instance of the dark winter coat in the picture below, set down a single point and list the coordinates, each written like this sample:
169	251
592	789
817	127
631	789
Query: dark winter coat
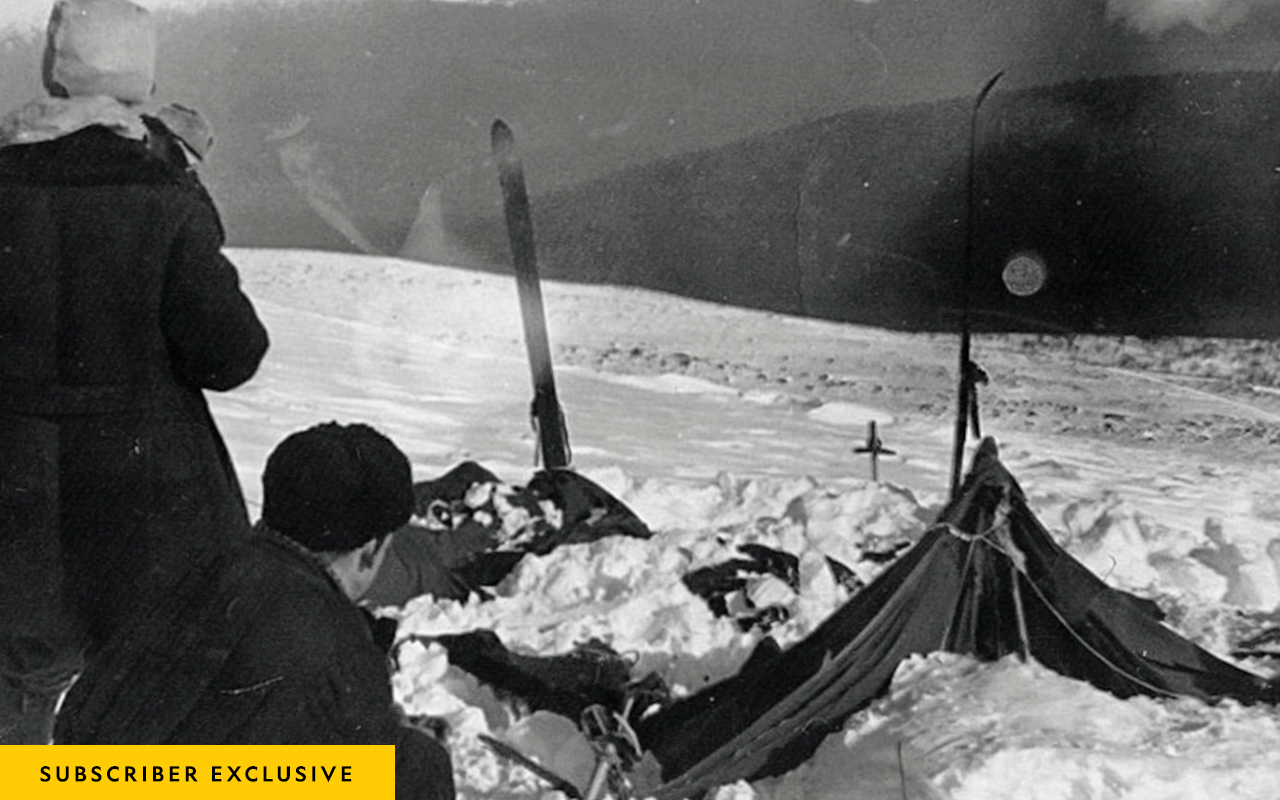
258	647
117	308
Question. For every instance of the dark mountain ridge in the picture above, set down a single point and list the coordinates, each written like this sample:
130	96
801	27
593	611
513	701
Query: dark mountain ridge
1147	201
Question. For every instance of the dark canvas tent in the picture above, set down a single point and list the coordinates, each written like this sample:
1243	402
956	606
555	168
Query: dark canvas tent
985	580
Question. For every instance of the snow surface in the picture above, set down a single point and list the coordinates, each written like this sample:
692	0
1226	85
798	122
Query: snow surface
433	356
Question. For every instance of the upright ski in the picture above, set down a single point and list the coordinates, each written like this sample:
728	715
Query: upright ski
548	418
969	372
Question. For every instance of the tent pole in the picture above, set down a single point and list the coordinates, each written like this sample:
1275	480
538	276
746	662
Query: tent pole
965	380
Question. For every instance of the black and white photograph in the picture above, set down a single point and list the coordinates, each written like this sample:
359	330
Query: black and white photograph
706	399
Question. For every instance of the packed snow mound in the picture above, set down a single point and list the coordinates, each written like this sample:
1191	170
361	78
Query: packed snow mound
671	383
1133	551
839	412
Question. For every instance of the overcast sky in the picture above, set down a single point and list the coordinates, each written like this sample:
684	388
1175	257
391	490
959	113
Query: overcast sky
28	13
1150	16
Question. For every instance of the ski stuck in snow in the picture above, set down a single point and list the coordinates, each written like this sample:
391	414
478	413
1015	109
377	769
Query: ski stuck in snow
548	417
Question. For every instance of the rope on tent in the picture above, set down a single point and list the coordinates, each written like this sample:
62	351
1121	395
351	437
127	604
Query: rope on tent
945	644
1079	639
1021	614
1019	565
1018	562
902	771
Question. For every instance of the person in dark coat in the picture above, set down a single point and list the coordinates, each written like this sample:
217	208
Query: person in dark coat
264	644
117	309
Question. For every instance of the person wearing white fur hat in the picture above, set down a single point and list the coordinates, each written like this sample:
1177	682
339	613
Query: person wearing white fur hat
117	311
99	70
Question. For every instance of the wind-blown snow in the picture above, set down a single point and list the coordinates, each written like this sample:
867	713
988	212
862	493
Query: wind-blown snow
434	357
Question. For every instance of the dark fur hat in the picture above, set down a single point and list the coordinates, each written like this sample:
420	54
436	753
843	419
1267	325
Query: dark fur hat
332	487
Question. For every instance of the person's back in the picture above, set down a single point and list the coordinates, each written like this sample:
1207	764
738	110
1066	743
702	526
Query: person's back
117	308
304	668
262	643
111	267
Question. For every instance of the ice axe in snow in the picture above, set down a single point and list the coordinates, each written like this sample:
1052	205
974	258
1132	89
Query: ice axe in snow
548	418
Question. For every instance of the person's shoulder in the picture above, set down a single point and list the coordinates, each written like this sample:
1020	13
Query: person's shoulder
168	149
266	563
93	156
295	608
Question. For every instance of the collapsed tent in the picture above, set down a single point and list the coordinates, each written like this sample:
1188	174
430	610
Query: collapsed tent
986	580
470	529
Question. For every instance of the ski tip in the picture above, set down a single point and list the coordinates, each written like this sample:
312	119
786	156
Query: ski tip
500	132
989	85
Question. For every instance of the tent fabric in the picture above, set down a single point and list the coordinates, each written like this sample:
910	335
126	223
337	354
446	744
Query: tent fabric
592	673
986	580
470	530
773	714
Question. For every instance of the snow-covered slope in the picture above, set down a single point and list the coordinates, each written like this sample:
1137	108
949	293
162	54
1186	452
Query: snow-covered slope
719	425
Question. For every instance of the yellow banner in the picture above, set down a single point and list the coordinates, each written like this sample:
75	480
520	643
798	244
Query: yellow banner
198	771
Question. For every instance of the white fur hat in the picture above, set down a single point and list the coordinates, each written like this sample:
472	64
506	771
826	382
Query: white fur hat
100	47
